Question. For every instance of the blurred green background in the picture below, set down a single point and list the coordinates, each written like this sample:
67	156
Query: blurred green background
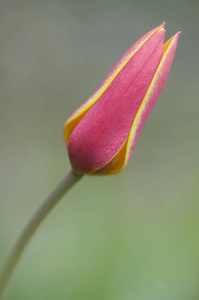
134	235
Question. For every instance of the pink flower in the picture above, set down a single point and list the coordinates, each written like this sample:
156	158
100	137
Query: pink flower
102	133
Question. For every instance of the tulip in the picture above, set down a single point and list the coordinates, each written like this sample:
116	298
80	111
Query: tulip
102	133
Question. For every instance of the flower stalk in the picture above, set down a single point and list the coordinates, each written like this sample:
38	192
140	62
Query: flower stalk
62	188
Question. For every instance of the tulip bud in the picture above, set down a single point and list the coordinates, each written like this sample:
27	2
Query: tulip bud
102	133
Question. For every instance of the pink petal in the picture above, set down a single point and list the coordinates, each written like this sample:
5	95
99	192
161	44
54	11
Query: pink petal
153	93
105	128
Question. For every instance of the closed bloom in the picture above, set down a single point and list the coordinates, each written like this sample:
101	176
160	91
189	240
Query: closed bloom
102	133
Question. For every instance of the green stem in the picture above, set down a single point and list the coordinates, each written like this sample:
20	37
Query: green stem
63	187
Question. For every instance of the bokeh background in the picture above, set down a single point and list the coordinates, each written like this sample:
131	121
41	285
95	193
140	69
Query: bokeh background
134	235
